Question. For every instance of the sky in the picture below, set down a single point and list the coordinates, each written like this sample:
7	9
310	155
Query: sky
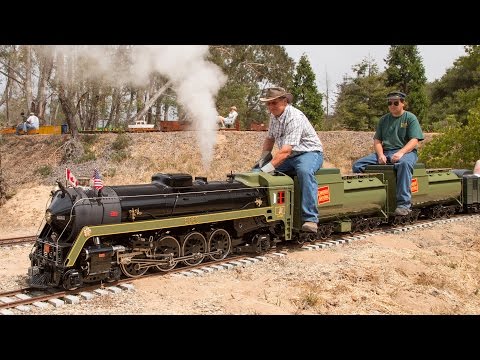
332	62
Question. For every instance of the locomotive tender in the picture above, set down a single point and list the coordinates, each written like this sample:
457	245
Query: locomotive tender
94	235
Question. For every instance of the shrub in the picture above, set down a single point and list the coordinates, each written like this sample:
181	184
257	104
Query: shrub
89	139
44	170
120	156
121	142
457	147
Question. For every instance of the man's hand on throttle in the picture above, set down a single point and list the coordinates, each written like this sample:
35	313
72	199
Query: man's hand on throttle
265	157
268	168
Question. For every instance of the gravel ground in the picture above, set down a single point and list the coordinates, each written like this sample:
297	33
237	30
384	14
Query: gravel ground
423	271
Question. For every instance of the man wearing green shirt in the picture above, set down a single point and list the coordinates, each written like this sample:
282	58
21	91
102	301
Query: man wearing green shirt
395	142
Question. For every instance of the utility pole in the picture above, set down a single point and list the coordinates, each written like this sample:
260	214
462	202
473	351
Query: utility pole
327	94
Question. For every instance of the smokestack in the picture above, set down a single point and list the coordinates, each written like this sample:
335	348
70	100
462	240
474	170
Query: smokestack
476	169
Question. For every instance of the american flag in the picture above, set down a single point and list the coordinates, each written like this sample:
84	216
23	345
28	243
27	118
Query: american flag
72	180
97	180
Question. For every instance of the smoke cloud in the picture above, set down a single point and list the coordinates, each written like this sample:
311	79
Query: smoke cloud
195	80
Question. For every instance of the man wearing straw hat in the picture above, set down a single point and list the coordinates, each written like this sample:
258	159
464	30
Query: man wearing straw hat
300	150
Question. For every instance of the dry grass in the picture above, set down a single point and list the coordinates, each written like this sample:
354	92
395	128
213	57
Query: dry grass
309	298
25	158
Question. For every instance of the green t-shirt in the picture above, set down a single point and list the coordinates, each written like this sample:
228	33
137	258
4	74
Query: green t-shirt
395	132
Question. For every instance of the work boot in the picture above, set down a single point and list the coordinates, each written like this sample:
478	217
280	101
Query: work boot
309	226
402	211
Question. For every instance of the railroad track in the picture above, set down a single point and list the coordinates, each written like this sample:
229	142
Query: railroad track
18	240
21	298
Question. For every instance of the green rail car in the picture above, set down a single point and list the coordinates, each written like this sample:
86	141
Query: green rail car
342	197
429	187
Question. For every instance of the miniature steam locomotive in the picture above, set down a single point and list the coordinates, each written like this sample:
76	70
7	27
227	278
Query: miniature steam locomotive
94	235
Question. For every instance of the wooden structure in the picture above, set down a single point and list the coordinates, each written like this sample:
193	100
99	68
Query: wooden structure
8	131
141	126
43	130
164	126
142	130
50	130
235	127
174	125
258	127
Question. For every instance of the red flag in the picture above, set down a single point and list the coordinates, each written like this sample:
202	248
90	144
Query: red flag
72	180
97	180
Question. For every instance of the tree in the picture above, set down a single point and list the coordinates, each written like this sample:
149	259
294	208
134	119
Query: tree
66	92
450	149
81	84
405	72
45	61
250	69
3	186
305	94
12	64
458	90
361	100
28	77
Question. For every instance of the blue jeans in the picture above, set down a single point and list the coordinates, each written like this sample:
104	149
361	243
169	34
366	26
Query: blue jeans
305	166
25	127
404	169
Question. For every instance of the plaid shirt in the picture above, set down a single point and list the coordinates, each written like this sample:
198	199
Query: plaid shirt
293	128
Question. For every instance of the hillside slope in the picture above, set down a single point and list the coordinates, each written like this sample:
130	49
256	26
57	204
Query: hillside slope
37	159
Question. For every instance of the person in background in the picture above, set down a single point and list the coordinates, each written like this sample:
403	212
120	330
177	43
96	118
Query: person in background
228	120
300	150
32	122
395	142
21	125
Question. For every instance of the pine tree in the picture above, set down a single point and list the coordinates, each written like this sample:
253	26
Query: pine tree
305	93
361	100
405	72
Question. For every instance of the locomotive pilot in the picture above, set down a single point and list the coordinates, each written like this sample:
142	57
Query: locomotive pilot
300	150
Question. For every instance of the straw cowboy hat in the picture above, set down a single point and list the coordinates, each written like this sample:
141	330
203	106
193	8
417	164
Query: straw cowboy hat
233	108
275	93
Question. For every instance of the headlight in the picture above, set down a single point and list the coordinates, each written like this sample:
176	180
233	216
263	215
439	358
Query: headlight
48	217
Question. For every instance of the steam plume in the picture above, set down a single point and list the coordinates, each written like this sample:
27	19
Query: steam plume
196	81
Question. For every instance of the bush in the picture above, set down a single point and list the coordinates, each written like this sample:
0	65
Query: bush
121	142
456	148
89	139
120	156
44	170
88	155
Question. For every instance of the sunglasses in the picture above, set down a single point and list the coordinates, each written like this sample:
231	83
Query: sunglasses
390	103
